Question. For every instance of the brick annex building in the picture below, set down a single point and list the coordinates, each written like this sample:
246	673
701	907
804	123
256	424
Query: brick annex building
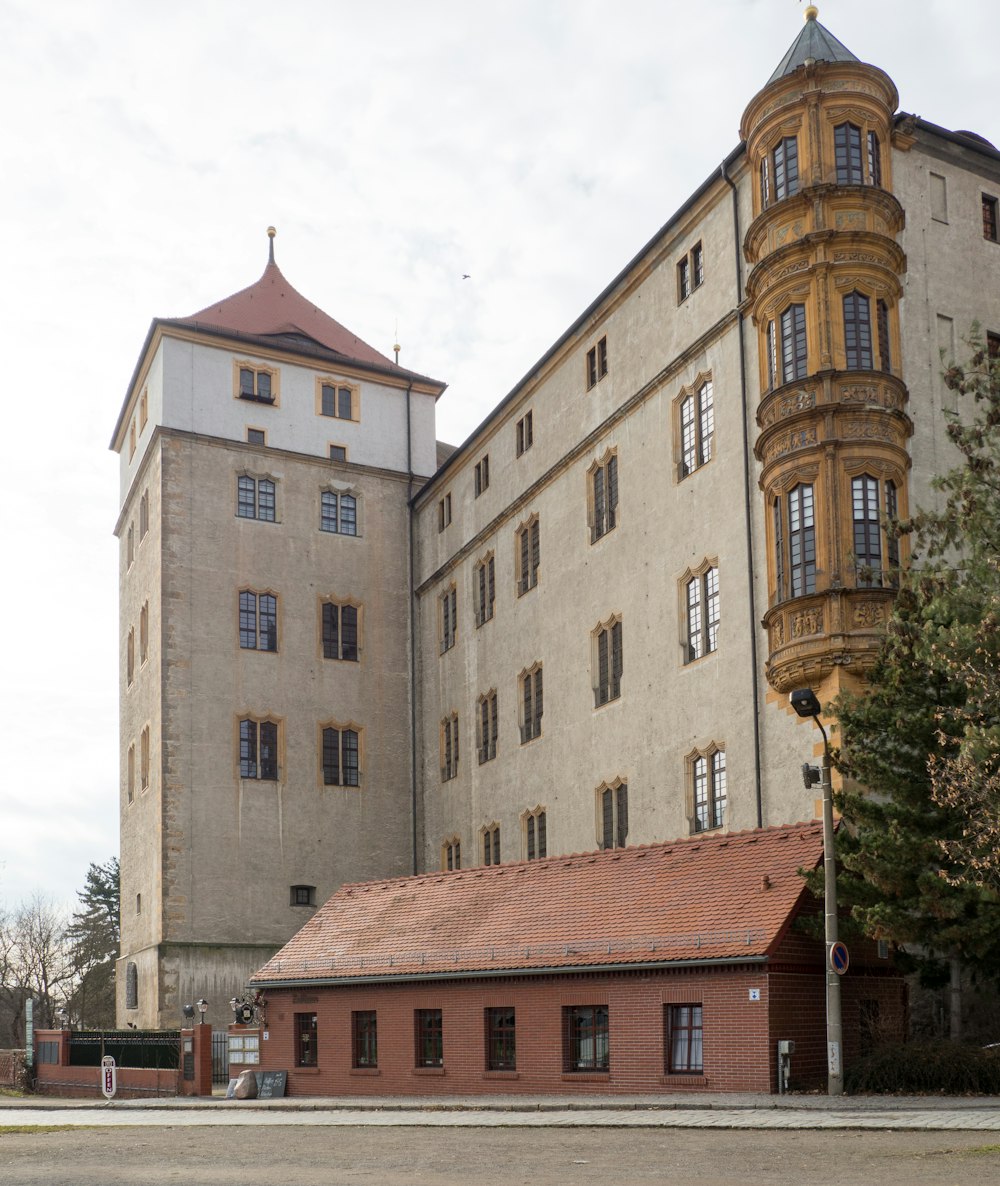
348	654
650	968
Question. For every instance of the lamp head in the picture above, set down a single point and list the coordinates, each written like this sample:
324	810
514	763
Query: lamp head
202	1006
188	1011
804	702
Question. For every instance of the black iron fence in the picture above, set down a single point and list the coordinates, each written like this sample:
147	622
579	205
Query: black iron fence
220	1057
158	1049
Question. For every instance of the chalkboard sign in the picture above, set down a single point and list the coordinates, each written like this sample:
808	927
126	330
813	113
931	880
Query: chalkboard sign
271	1084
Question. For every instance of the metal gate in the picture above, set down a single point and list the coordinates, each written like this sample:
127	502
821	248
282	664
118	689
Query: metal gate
220	1057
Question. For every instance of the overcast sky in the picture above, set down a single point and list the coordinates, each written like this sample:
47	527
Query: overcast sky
145	148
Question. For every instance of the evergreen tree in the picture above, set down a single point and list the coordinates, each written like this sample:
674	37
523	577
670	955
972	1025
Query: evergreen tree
920	749
94	941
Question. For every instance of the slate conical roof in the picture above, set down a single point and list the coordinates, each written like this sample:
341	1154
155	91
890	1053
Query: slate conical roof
815	43
272	307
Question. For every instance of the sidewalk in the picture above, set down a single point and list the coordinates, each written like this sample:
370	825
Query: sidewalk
693	1110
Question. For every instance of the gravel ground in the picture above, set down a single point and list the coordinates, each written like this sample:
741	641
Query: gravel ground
201	1156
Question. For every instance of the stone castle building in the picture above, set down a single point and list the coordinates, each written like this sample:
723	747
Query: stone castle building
344	658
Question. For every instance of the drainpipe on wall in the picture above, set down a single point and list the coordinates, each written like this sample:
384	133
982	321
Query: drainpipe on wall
747	507
413	640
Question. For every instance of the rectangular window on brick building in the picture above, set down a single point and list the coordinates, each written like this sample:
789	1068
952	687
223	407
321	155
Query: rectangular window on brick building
586	1037
500	1046
684	1039
364	1030
429	1034
306	1038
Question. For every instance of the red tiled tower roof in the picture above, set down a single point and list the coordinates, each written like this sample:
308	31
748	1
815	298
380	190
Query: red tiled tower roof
272	306
721	897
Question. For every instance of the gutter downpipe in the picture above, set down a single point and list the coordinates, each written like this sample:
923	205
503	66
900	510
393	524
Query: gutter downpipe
413	639
746	501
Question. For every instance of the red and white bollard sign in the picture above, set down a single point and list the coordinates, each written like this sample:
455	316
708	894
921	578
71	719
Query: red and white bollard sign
109	1077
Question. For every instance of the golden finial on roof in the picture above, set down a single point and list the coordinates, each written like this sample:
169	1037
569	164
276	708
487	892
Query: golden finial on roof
271	232
811	12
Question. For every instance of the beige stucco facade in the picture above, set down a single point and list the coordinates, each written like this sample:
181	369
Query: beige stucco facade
644	461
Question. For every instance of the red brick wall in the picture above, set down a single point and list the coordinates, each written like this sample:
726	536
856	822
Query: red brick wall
133	1082
737	1040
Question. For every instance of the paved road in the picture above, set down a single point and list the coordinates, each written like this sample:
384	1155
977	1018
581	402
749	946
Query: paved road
233	1114
317	1154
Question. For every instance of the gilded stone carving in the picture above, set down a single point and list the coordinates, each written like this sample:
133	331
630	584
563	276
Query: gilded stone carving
787	233
858	257
850	220
788	443
869	430
868	614
809	621
778	634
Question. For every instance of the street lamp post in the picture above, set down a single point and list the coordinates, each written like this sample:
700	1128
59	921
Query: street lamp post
805	703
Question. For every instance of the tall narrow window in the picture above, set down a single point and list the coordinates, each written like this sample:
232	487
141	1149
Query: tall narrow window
683	279
306	1039
444	512
614	815
525	434
535	841
429	1032
786	168
779	547
847	154
484	589
528	556
500	1048
258	621
341	758
891	539
702	597
130	765
586	1029
684	1039
801	541
338	513
531	704
364	1038
772	356
482	474
259	750
608	644
449	747
882	320
857	332
144	758
449	616
697	413
144	633
604	490
697	265
989	218
340	632
487	727
130	545
708	785
143	515
130	657
491	845
874	159
793	343
597	363
867	531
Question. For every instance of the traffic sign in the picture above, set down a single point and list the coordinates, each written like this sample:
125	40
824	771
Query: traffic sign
109	1077
839	958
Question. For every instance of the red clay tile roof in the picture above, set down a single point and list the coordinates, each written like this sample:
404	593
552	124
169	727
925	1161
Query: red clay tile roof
273	306
720	897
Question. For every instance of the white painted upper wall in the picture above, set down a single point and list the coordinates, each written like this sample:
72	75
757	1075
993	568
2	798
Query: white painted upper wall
190	386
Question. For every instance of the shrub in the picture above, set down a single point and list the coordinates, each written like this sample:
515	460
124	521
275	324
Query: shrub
920	1068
